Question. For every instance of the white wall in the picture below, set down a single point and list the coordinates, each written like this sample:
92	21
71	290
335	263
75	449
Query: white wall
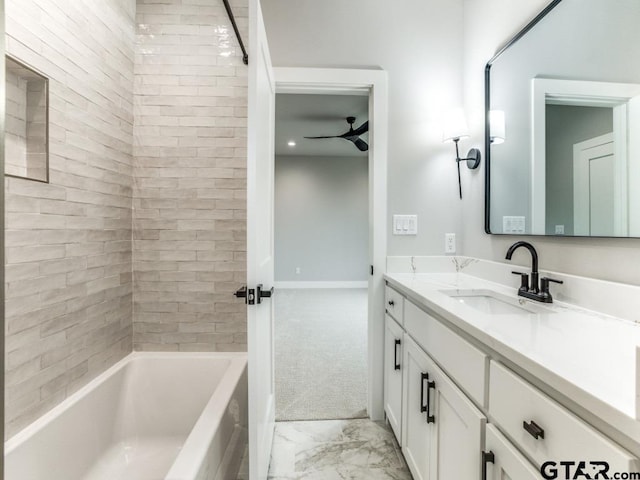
321	219
419	44
488	24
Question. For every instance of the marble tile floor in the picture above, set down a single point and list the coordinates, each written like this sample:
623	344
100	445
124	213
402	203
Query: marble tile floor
336	450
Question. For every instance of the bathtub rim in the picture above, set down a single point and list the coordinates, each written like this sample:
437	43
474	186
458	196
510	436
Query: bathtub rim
196	446
30	430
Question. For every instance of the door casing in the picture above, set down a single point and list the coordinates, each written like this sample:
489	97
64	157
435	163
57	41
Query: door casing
333	81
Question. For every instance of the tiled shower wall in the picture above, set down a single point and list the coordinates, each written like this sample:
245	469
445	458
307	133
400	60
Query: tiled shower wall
68	243
189	177
15	129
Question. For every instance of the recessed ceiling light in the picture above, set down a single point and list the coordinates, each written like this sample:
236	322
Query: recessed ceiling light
291	143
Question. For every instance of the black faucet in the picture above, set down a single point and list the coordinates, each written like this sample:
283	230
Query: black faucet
532	291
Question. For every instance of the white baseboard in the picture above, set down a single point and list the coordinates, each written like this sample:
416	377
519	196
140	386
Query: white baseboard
287	285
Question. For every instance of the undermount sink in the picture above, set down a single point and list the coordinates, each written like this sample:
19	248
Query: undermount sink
490	302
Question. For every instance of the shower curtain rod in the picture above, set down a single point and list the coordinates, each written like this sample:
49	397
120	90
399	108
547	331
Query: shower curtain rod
245	56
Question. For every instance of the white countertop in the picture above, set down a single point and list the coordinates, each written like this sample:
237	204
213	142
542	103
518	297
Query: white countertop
583	354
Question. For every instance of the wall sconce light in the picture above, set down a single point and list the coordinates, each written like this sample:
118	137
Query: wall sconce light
497	133
455	128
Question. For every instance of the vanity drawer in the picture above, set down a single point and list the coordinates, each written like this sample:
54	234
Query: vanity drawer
463	362
561	436
394	303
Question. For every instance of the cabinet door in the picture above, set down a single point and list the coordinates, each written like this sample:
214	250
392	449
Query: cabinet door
458	429
416	432
505	462
393	375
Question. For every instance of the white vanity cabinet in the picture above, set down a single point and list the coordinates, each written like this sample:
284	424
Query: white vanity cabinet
394	304
442	429
450	384
393	366
544	429
502	461
417	433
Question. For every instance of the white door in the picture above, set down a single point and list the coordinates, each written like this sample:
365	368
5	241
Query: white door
595	192
504	461
416	429
393	375
260	170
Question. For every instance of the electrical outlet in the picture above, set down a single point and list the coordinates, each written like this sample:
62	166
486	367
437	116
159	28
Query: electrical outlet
449	243
298	270
559	229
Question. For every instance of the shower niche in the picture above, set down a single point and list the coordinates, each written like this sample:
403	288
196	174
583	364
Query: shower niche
27	126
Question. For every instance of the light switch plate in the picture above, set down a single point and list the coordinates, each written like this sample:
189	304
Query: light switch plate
513	224
405	224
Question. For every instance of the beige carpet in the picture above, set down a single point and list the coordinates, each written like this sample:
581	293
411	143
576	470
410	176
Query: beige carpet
320	354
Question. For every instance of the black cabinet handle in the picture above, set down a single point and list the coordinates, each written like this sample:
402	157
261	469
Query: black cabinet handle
430	418
487	457
423	377
396	365
391	303
533	429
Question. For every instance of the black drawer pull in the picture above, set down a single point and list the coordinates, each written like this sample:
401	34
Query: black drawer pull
391	303
533	429
487	457
430	418
423	377
396	364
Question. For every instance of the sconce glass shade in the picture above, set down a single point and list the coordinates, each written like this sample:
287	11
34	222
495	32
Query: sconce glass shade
497	133
454	125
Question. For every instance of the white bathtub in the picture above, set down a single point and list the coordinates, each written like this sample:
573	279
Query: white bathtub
152	416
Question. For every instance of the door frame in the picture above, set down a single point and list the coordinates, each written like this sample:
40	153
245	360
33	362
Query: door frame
334	81
577	93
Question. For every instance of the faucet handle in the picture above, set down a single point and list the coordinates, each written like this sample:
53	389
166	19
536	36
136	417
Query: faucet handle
544	283
524	280
544	287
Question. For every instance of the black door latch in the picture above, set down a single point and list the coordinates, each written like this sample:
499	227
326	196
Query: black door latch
263	293
249	295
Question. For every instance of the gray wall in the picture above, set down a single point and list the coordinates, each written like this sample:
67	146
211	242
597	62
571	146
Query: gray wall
566	126
419	44
321	218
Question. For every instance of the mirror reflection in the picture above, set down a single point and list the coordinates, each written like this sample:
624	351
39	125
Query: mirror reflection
570	93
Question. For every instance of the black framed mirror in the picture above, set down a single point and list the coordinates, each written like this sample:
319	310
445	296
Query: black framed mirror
565	160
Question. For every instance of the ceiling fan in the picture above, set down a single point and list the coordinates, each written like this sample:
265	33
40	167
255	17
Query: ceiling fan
353	135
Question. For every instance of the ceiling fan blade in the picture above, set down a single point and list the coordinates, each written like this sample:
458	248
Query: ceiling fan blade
361	144
332	136
364	128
